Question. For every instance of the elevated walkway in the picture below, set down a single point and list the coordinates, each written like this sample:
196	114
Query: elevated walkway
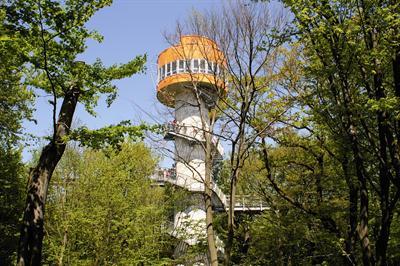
243	203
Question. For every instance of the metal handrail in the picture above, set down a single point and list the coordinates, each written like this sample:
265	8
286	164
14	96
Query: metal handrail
248	202
242	202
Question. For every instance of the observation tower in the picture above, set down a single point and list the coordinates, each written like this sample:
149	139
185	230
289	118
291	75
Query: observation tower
190	80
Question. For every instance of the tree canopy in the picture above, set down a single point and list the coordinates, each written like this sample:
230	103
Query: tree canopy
311	117
99	209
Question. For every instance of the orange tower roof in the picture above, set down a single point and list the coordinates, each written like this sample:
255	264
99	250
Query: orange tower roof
195	61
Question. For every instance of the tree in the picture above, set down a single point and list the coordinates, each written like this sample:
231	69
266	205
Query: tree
301	185
249	70
351	88
57	35
306	195
15	101
11	197
99	209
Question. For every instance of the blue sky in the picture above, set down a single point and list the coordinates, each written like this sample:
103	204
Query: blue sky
130	28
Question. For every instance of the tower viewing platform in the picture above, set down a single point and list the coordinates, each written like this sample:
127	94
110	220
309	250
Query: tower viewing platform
195	60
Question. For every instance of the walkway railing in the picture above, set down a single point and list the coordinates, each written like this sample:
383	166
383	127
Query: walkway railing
243	203
162	175
248	203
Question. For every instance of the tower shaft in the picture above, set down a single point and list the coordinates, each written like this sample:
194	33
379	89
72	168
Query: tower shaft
192	121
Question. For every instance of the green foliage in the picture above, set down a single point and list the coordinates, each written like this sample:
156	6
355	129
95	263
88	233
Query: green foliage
285	236
349	96
40	44
15	100
12	188
103	209
55	35
394	241
111	136
296	231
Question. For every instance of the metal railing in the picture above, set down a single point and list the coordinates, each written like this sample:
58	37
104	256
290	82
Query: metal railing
248	203
242	202
162	175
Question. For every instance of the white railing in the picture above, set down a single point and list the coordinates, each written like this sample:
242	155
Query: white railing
242	202
190	66
164	175
248	203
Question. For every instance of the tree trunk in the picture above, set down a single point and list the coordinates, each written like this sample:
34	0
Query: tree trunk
396	81
31	237
231	213
386	136
382	242
212	249
319	177
384	183
353	203
362	228
231	217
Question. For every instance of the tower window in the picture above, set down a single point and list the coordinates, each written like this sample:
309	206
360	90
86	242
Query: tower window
202	66
168	70
188	66
161	73
210	67
195	65
181	66
173	67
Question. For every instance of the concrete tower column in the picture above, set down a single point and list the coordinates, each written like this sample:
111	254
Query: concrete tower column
190	162
190	154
